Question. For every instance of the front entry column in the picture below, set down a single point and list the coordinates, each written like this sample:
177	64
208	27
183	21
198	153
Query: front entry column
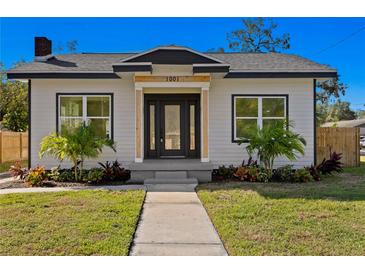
138	125
204	124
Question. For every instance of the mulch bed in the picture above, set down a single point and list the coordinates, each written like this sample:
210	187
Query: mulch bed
21	184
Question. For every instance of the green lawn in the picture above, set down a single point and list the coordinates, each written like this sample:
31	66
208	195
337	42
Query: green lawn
325	218
4	167
69	223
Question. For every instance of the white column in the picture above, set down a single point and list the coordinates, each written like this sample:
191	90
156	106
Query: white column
204	102
138	125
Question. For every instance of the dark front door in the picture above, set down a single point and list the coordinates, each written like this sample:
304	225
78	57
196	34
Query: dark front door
172	126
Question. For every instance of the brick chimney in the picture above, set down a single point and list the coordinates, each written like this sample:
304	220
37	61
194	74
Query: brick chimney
42	46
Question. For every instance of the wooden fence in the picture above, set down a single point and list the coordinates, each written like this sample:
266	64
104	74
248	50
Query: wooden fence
13	146
342	140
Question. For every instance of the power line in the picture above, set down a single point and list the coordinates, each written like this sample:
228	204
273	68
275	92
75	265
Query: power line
341	41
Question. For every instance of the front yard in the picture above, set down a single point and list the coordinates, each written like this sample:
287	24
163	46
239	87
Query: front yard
319	218
69	223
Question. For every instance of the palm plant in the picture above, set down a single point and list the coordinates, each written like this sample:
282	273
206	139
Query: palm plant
275	140
75	145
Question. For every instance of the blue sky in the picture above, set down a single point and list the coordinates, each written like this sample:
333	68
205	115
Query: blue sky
309	36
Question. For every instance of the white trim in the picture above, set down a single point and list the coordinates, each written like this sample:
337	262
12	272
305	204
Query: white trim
212	65
171	48
203	159
200	85
133	64
259	117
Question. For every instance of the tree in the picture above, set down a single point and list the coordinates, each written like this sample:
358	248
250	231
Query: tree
340	110
257	35
218	50
71	46
13	103
273	141
332	88
75	145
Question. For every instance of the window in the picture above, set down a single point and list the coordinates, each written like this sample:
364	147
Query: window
94	110
250	112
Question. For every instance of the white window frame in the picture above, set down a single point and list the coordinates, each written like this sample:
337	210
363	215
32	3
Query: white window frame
259	117
84	116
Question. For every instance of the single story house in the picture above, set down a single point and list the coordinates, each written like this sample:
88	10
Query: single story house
360	123
170	107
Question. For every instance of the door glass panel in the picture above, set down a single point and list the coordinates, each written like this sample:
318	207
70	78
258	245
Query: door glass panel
172	127
152	128
192	127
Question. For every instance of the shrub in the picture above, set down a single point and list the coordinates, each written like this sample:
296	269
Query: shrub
333	164
250	163
302	175
108	170
273	141
315	172
54	173
120	173
263	176
283	174
249	174
36	176
66	175
223	172
16	171
75	145
95	175
114	171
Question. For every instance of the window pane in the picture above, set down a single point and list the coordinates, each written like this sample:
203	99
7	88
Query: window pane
246	107
192	127
152	128
172	127
273	107
70	123
98	106
244	127
71	106
270	122
100	127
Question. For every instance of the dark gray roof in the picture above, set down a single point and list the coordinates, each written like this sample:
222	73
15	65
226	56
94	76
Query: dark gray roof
243	62
266	62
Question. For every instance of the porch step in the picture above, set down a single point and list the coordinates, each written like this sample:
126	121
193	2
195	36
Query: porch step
177	181
171	175
171	169
171	187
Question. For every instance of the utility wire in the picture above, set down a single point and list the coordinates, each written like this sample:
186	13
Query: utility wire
341	41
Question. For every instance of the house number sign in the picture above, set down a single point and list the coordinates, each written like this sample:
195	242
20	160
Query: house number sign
172	79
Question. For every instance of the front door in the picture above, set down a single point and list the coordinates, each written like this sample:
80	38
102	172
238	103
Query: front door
172	126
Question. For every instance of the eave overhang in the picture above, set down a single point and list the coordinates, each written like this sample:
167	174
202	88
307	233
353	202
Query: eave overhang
276	74
211	68
62	75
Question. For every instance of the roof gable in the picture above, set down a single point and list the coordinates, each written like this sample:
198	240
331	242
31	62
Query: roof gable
172	55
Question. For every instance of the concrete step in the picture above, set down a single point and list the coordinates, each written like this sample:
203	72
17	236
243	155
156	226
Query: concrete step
154	181
171	175
171	187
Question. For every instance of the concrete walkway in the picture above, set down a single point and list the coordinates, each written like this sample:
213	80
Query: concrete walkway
175	224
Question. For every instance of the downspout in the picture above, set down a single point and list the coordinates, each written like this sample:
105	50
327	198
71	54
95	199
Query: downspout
315	121
29	122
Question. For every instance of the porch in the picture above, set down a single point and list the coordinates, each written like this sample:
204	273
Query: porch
172	170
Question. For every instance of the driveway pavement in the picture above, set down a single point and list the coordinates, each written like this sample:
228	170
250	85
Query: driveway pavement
175	224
